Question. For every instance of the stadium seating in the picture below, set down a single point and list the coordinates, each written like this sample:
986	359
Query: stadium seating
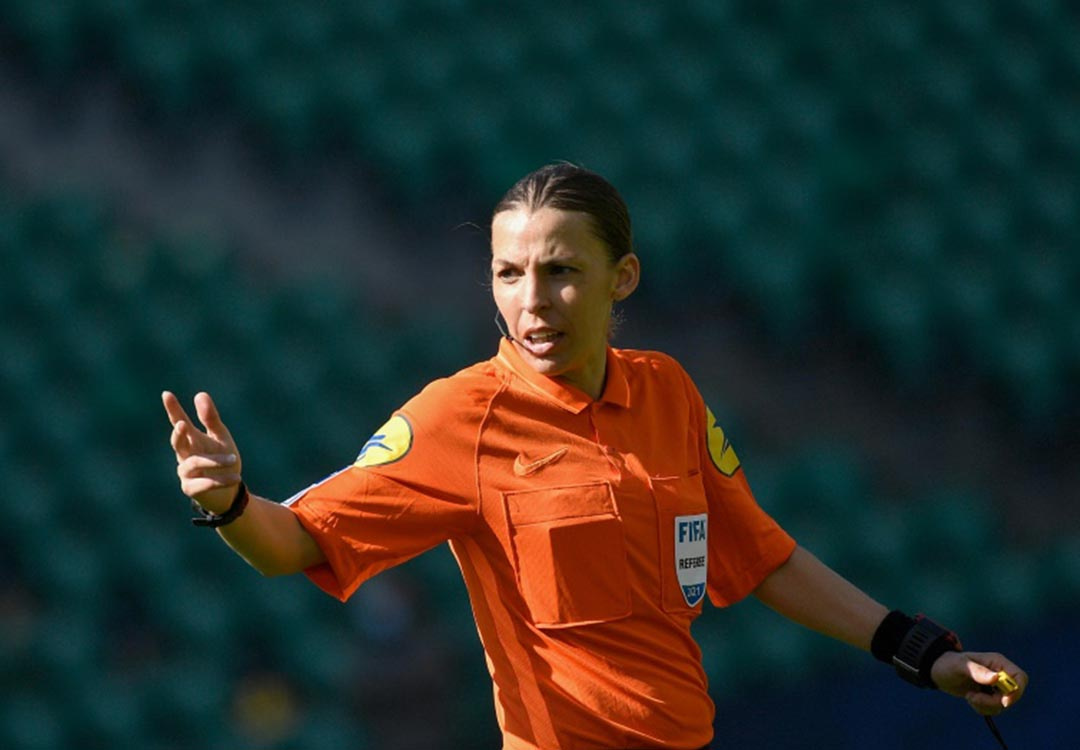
97	320
860	172
674	104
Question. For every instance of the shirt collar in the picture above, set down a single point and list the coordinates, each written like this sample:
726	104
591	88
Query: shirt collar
570	397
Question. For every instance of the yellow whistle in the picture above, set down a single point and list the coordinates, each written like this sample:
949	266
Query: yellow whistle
1005	683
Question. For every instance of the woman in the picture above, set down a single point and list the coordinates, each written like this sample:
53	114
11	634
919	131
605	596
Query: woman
588	494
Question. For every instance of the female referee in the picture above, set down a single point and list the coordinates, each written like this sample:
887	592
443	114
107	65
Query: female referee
589	497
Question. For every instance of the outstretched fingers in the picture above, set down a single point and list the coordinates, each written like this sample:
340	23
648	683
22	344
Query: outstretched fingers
173	409
207	463
187	439
211	418
181	437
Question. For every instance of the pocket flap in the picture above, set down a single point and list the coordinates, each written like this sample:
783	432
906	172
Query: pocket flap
554	503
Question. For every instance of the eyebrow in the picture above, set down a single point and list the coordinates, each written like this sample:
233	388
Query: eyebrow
554	259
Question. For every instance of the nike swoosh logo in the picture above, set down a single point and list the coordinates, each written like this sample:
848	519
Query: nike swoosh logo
524	468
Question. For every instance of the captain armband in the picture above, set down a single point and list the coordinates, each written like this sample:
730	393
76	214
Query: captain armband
912	645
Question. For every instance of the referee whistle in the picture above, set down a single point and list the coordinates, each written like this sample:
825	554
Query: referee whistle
1005	683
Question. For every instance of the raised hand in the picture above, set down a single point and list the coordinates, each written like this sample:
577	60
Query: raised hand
207	460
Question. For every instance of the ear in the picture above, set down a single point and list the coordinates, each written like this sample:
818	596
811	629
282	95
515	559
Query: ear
627	276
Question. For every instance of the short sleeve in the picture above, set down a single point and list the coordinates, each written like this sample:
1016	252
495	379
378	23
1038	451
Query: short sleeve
745	543
411	488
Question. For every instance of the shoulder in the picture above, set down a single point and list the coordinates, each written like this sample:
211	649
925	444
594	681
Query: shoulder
438	423
456	396
647	358
653	365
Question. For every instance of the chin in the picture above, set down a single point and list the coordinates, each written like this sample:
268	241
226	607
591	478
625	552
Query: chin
552	366
546	366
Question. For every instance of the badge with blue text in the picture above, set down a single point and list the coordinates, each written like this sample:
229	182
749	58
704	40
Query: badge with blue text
389	443
692	555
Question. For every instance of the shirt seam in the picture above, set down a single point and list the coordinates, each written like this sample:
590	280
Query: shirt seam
504	384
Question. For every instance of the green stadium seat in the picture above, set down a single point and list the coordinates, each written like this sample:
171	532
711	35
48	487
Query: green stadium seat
280	101
1061	570
186	702
106	713
780	646
29	721
772	274
955	526
144	553
1052	199
347	92
723	206
1000	145
196	616
884	544
1025	363
229	49
1063	119
318	657
969	299
946	594
931	156
912	232
1014	590
896	310
105	23
48	30
1069	340
329	727
158	58
274	608
39	502
297	31
66	650
963	18
70	570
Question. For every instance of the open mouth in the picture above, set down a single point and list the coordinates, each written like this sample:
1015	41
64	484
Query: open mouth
542	342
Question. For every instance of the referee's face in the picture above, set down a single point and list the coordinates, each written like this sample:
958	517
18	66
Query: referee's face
554	284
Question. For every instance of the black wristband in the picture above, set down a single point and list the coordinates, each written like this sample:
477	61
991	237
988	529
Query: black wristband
921	647
213	520
890	633
912	645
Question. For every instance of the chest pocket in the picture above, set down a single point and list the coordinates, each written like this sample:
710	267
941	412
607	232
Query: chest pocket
569	552
682	511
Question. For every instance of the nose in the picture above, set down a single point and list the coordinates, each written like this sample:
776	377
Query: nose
534	293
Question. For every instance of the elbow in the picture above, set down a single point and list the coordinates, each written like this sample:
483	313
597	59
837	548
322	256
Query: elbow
270	571
274	568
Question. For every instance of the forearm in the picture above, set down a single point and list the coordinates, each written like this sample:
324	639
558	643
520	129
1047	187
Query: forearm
271	539
810	593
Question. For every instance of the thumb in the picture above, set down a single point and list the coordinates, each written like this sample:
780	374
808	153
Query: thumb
980	673
211	419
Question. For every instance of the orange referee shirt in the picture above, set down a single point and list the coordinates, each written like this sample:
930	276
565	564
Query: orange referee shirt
587	532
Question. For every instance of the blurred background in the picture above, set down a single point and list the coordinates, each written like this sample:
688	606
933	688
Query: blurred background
860	231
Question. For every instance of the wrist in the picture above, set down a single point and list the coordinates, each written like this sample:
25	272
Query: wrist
216	520
912	646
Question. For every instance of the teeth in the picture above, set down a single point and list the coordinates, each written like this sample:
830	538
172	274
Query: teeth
541	338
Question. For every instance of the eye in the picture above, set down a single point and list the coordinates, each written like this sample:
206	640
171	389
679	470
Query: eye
560	270
507	273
